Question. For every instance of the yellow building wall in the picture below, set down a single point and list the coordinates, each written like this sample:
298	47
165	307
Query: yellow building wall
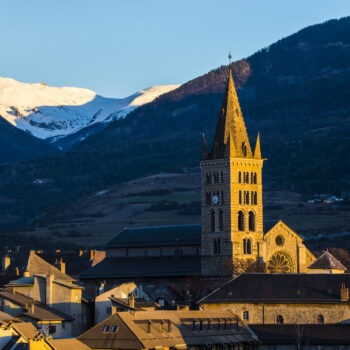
260	313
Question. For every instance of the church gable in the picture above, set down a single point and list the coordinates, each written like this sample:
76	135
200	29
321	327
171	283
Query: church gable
285	251
283	230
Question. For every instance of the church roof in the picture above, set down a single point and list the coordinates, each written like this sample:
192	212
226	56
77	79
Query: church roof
165	266
327	261
231	125
157	236
280	288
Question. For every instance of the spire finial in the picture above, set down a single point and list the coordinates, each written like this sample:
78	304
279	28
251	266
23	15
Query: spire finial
229	58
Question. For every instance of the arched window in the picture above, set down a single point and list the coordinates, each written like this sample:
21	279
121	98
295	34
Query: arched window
252	197
207	198
251	221
247	197
244	246
320	319
255	198
240	197
208	178
279	319
221	220
240	221
255	178
247	178
244	178
216	246
212	221
251	178
249	246
239	177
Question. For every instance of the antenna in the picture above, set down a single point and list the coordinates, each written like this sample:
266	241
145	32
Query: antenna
229	58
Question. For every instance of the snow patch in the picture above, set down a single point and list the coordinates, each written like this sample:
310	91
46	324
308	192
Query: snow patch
55	112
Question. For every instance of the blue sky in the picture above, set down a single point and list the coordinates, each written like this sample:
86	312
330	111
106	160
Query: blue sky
118	47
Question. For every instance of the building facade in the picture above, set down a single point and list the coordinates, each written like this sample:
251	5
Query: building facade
284	298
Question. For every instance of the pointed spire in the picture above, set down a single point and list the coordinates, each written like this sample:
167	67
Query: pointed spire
257	152
231	122
204	148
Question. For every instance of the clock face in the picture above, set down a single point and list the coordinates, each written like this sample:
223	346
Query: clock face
215	199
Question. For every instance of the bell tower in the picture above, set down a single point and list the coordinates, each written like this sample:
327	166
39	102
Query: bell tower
231	197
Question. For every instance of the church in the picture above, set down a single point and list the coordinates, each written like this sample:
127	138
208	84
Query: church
230	238
232	204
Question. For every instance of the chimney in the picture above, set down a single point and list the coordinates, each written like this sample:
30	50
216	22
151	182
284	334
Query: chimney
6	261
92	254
26	273
113	310
132	301
49	280
62	266
182	307
344	293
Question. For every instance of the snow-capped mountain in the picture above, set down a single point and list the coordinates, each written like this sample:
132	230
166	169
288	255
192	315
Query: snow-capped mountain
54	112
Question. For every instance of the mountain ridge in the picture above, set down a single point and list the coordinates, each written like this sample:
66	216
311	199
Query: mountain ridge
53	113
296	93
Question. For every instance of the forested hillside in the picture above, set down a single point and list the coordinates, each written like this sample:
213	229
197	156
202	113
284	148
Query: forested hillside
295	92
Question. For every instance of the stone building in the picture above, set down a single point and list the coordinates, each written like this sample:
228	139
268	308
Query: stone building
45	284
284	298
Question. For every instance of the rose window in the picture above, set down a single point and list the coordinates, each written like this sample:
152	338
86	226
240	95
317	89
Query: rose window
279	263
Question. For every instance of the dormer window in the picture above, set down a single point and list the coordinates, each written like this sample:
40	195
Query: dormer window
244	149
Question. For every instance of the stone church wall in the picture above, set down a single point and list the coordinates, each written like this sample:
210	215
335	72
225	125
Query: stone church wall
292	313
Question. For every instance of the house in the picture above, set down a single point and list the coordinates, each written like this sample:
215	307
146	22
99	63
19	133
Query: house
61	295
44	317
284	298
327	263
14	265
23	335
170	329
118	297
63	265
